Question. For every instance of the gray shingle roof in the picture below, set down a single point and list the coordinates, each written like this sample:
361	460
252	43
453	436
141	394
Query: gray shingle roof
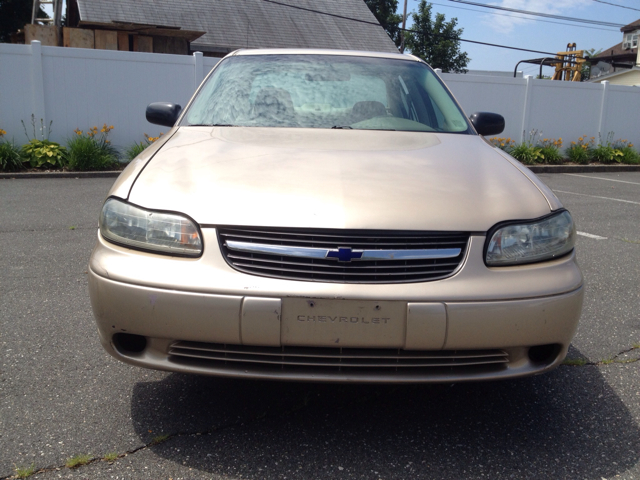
232	24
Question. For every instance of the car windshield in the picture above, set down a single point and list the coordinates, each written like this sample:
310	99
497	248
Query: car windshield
326	91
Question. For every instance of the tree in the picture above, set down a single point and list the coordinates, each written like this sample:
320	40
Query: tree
435	41
585	71
385	13
14	15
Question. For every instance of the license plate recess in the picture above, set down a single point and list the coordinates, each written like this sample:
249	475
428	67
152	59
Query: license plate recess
343	323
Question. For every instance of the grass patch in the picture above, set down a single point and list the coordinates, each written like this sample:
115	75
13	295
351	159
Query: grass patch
77	461
111	457
24	472
159	439
575	362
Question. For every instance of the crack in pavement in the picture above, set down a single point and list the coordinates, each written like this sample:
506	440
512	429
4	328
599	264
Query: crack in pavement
578	362
296	408
164	438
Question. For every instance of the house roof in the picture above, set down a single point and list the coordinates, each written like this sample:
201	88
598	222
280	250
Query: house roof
233	24
631	27
616	51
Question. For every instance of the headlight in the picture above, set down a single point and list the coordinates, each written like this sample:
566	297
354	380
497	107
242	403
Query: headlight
531	242
132	226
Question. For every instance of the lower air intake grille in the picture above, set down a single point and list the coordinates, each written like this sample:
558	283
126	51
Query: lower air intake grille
261	254
335	359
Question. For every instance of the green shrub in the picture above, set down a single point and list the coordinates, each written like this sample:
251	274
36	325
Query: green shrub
137	148
10	158
629	154
92	151
581	151
604	152
44	154
134	150
578	154
502	143
527	153
550	150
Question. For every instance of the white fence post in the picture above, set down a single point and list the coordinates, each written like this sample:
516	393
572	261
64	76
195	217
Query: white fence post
603	108
526	108
37	83
198	69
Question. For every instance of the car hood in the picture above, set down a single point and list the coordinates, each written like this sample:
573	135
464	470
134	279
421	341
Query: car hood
315	178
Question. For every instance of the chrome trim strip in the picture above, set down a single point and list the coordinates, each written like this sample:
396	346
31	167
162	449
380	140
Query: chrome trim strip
310	252
282	250
409	254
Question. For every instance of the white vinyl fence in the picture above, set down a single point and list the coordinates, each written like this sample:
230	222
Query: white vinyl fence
80	88
566	110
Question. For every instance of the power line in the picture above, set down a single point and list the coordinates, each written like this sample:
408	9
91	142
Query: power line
446	37
539	14
523	18
616	5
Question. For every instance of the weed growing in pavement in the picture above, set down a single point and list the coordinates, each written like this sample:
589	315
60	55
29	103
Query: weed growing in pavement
77	461
159	439
575	362
24	472
111	457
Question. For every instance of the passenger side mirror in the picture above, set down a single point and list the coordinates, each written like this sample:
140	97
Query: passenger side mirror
163	113
487	123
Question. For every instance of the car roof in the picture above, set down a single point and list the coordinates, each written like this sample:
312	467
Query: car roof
321	51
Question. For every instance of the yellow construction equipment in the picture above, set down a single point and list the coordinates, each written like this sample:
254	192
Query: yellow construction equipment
569	66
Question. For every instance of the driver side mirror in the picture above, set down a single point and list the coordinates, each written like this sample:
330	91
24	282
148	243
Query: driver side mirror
487	123
163	113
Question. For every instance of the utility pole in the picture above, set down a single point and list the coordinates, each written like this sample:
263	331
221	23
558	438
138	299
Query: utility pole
404	24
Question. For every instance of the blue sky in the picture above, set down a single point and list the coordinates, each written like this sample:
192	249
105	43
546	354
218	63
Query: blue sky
527	32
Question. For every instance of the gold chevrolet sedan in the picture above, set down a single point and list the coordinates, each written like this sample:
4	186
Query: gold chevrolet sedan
333	216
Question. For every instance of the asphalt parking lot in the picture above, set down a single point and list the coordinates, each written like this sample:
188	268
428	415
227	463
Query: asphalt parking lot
61	395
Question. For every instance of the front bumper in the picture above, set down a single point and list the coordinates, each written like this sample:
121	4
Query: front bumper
233	324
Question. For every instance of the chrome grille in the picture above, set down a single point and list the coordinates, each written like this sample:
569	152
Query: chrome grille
327	360
330	270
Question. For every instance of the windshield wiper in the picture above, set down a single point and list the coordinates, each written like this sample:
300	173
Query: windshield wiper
341	127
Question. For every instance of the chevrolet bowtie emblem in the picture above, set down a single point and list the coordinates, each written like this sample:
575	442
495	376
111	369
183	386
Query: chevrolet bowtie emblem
344	254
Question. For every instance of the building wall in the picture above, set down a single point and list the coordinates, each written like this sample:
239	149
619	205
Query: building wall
629	78
80	88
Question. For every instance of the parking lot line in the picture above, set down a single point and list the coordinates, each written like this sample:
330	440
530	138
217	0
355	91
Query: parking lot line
591	235
601	178
596	196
